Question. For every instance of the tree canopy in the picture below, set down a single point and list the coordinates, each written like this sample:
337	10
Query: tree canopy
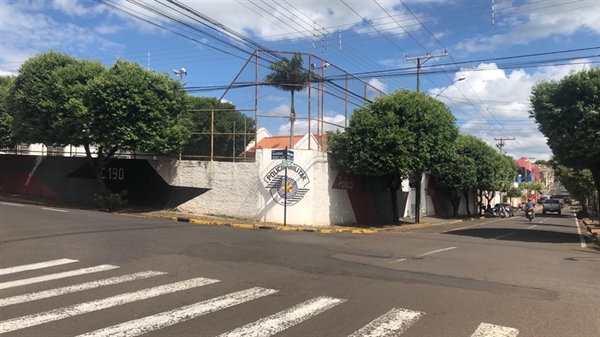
579	182
397	135
59	100
6	133
290	75
568	114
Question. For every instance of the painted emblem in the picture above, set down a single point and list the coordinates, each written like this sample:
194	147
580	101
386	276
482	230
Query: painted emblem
292	190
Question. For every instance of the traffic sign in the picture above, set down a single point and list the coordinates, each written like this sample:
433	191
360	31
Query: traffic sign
287	163
280	154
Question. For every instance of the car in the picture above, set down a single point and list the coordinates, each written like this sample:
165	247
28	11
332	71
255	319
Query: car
551	205
567	200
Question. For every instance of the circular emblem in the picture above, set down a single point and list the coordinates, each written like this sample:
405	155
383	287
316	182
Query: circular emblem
287	190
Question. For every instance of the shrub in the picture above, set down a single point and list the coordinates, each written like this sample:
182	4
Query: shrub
110	203
582	214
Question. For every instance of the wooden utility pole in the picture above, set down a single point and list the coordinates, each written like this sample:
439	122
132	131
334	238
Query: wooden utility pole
501	143
420	174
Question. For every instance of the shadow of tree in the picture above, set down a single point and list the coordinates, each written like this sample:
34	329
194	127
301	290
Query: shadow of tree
520	234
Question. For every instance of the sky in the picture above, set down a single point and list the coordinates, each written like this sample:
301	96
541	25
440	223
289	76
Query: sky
487	53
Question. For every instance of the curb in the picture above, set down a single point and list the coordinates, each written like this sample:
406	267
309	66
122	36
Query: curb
349	230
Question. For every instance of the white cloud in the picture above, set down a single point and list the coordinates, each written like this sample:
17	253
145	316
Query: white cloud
545	21
7	73
27	31
107	29
494	104
73	8
301	126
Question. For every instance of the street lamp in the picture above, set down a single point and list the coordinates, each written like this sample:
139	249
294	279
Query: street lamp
457	80
179	73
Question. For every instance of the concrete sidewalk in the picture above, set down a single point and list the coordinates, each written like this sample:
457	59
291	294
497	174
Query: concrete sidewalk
211	220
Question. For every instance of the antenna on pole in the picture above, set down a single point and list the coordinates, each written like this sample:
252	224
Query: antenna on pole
493	5
340	30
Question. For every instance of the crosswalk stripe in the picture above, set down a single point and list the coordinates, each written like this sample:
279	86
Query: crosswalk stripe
18	283
82	308
33	266
165	319
282	320
392	323
491	330
75	288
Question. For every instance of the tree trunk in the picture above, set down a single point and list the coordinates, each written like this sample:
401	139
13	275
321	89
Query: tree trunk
393	186
418	179
455	201
480	202
466	193
596	175
292	120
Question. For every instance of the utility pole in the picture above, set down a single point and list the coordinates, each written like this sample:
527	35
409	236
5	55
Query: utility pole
501	143
420	174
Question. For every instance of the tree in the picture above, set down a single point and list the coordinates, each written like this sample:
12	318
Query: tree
514	192
133	109
532	186
396	136
227	119
579	182
46	99
541	162
567	114
290	75
456	173
6	133
60	100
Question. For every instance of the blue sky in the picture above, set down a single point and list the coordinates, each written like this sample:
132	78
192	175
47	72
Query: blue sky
500	48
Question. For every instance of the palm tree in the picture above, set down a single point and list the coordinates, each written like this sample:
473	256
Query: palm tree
289	75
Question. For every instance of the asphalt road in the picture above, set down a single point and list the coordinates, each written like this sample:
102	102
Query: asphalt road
72	272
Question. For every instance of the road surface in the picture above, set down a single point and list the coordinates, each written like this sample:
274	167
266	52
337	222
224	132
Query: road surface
70	272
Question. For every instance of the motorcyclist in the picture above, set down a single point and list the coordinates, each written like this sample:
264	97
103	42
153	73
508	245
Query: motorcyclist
529	207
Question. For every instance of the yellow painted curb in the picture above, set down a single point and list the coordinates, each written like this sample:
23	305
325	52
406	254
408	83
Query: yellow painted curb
204	222
243	225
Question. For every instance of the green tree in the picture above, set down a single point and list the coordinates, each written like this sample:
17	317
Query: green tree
46	99
290	75
532	186
133	109
541	162
579	182
514	192
6	131
567	113
396	136
456	173
227	121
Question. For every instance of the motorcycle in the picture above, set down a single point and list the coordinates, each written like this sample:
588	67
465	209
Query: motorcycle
530	214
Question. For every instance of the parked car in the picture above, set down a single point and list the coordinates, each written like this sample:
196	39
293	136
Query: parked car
551	205
567	200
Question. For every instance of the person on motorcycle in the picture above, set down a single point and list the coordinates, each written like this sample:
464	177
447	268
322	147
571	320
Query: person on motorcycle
529	207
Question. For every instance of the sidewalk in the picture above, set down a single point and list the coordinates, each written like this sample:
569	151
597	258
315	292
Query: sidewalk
207	220
211	220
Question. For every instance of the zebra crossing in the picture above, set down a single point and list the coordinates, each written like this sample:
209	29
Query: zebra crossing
393	323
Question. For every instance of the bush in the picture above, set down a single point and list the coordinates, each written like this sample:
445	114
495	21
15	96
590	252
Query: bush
110	203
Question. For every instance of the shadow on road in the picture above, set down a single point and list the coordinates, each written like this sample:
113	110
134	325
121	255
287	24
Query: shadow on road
539	234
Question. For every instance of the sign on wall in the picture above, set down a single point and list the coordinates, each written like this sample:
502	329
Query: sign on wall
293	190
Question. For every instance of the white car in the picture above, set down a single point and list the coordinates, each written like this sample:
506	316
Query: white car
551	205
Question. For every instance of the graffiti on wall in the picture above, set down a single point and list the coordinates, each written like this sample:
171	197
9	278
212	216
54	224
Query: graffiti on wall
291	191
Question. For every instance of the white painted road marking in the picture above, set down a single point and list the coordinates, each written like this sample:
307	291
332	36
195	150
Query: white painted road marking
10	204
428	253
530	227
82	308
168	318
54	209
75	288
33	266
435	251
490	330
392	323
282	320
18	283
503	236
581	239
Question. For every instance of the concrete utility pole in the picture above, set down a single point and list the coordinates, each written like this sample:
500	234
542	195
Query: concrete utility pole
420	177
501	143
